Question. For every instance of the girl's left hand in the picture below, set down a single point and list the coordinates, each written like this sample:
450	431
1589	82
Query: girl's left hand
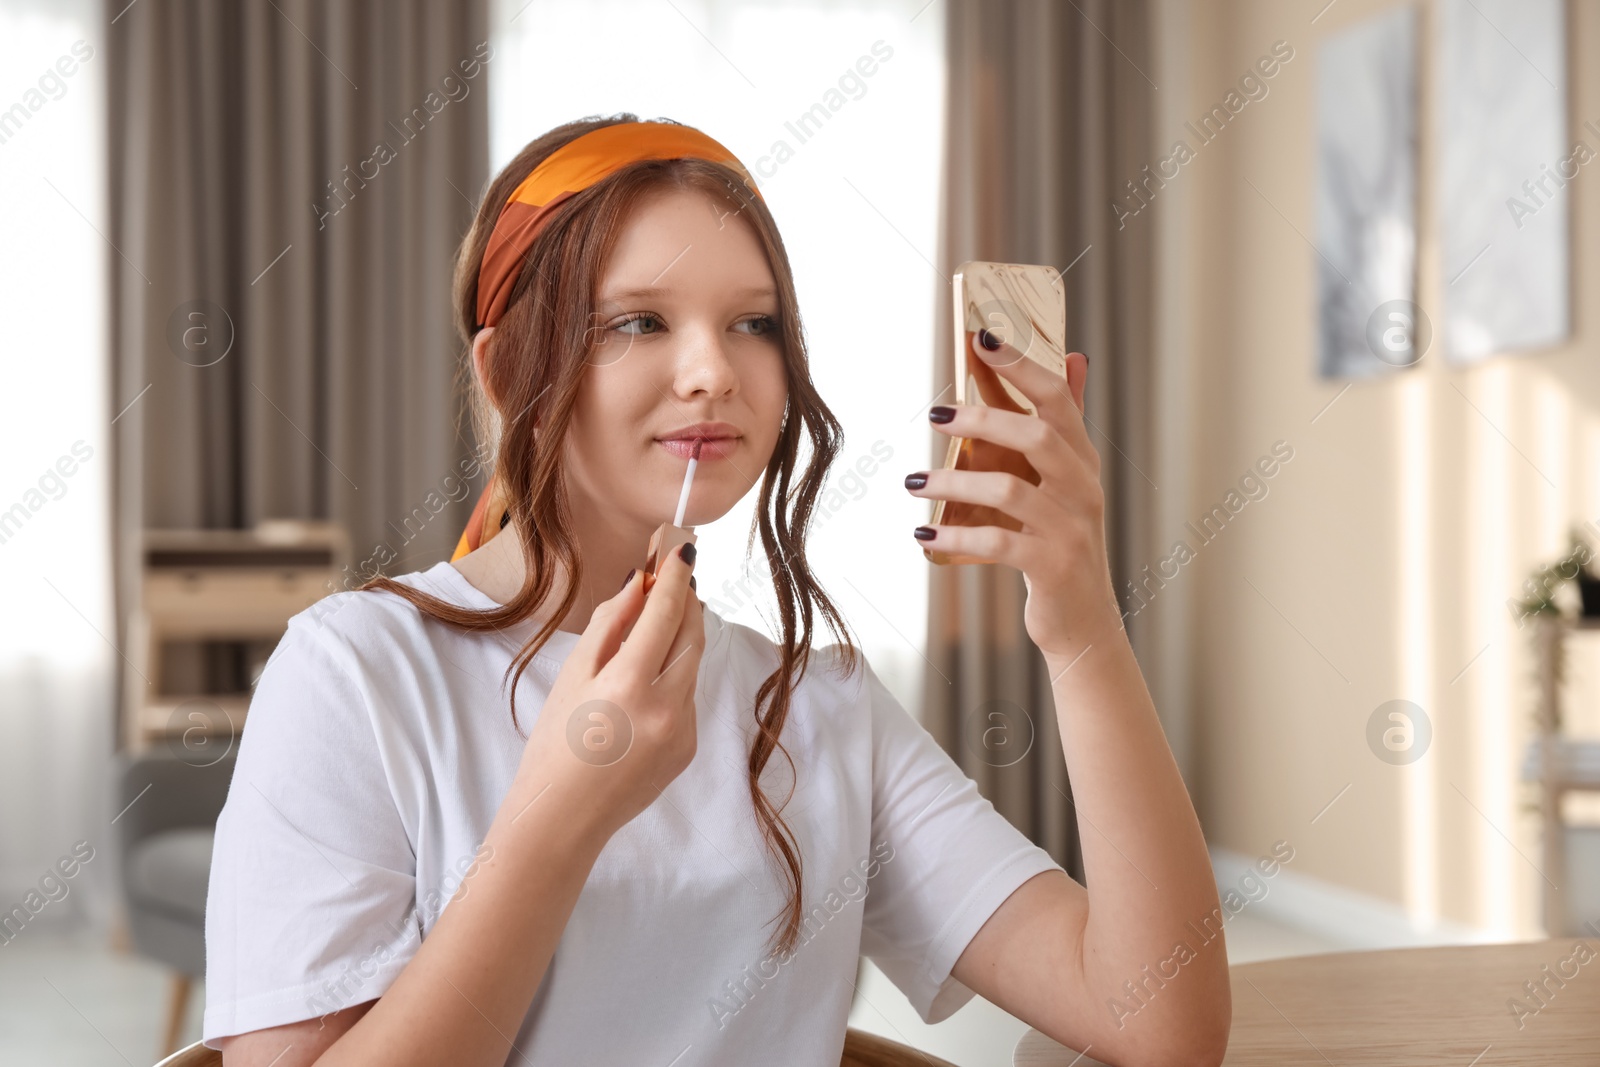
1061	549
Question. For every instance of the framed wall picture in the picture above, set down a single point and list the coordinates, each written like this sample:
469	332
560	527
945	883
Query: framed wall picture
1504	167
1368	322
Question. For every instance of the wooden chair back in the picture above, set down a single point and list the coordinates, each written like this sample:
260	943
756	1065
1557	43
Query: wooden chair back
196	1055
861	1049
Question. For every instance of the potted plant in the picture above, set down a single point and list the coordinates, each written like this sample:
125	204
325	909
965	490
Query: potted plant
1589	592
1541	587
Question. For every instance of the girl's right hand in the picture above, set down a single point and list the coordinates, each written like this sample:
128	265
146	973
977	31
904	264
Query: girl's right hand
619	723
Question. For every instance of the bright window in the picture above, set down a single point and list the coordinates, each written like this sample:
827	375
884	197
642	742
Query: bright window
58	671
55	435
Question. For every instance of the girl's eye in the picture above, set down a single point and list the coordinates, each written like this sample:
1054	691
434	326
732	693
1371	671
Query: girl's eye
765	325
638	316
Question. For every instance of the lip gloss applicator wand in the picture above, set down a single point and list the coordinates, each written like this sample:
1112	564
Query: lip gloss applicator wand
669	535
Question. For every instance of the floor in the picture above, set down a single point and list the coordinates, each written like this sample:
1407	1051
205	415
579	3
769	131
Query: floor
68	1000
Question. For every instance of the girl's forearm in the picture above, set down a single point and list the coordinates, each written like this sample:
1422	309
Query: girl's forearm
462	998
1145	861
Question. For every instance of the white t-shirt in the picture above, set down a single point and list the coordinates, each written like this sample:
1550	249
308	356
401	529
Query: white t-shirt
379	747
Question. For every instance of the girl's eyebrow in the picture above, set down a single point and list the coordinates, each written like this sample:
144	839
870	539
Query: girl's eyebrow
653	291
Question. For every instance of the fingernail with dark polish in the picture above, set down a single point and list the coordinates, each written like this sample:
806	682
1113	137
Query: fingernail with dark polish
924	533
917	481
941	413
691	581
990	340
686	553
631	572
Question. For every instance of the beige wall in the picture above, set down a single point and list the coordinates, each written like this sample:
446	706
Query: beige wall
1380	562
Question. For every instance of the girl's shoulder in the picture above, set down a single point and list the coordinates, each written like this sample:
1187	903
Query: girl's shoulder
353	607
756	646
750	655
371	632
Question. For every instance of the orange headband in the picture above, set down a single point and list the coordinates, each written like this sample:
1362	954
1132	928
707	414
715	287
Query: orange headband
573	167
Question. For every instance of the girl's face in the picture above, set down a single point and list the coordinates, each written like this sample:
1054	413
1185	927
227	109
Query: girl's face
686	346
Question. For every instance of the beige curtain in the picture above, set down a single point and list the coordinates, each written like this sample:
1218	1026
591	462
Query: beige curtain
1048	115
296	173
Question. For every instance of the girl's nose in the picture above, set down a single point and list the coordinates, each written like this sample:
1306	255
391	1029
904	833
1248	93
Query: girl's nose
704	366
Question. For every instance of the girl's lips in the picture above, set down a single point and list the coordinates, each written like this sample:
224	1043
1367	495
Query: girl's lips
710	448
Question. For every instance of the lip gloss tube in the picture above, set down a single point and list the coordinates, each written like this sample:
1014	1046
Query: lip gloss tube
669	535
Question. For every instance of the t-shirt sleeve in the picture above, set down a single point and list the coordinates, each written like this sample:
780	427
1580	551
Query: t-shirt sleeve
311	904
951	860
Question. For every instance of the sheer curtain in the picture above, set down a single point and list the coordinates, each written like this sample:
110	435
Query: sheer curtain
57	666
855	193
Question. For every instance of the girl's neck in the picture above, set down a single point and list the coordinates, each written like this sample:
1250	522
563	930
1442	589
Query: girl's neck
496	570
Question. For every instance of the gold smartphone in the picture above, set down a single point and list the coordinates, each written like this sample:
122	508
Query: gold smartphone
1023	305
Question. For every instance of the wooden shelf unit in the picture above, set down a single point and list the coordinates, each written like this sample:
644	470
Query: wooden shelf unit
217	585
1558	764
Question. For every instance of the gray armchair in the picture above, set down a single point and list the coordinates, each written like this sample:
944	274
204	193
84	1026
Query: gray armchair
165	837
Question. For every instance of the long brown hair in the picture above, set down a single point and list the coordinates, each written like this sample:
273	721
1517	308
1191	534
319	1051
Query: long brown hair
535	361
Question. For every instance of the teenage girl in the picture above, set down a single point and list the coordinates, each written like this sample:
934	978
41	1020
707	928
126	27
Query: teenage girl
498	811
